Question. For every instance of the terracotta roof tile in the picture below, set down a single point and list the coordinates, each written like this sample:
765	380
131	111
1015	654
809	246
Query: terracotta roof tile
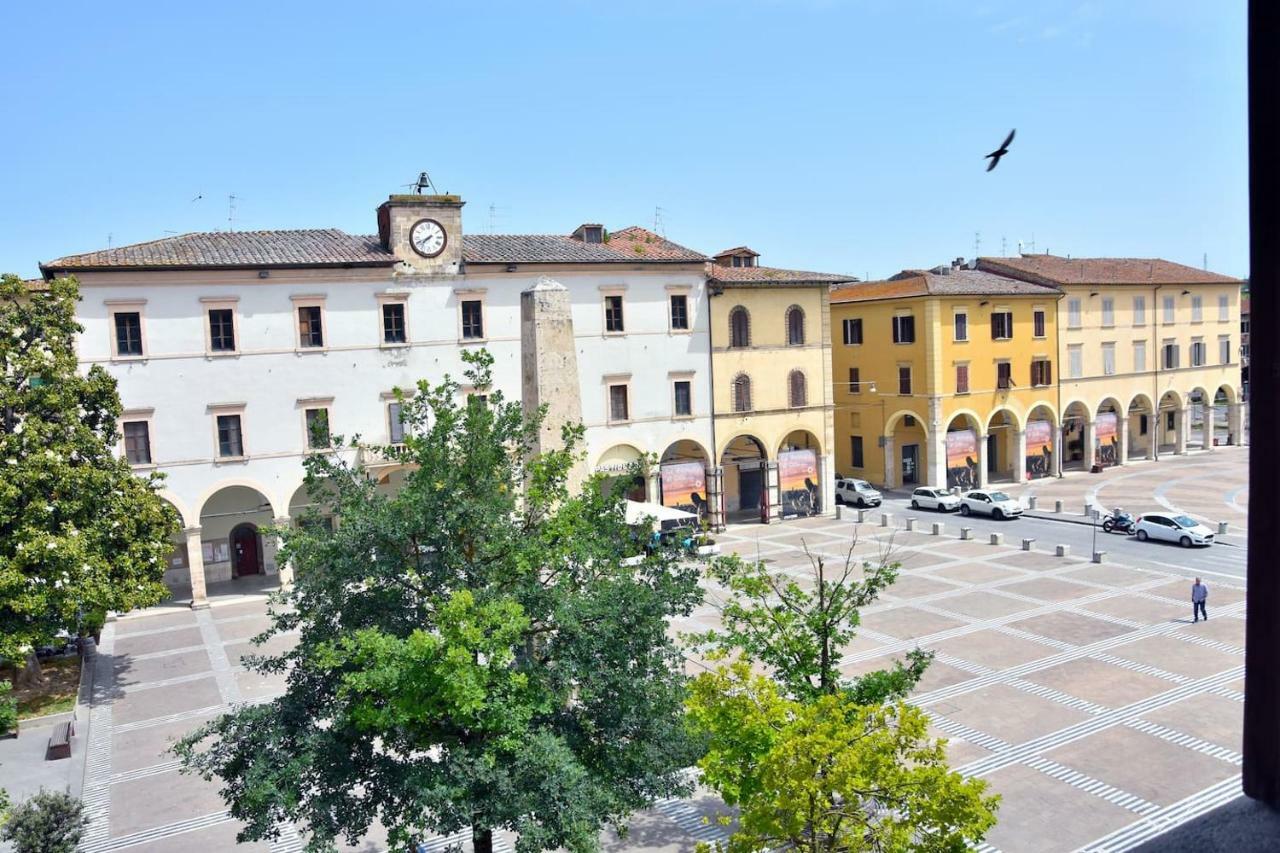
630	245
765	276
1056	270
953	282
737	250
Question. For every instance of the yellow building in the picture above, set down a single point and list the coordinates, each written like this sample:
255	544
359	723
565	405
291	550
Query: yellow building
1150	355
945	377
771	380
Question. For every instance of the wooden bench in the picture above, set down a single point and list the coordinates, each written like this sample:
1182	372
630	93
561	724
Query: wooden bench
60	742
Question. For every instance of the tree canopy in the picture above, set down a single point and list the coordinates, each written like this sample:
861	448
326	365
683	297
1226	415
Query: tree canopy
80	534
471	649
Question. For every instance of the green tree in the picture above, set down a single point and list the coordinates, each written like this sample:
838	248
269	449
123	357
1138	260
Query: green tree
79	533
46	822
8	709
830	774
471	652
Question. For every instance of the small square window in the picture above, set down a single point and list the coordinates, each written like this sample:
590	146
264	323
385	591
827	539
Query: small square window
679	312
137	442
393	325
613	314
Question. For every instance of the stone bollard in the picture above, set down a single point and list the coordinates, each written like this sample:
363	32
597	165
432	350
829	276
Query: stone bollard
1088	510
886	519
1099	556
997	538
1028	544
911	524
839	511
1223	528
966	532
1057	506
862	516
1063	550
1031	502
938	528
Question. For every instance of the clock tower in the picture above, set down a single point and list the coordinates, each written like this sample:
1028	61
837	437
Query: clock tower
424	232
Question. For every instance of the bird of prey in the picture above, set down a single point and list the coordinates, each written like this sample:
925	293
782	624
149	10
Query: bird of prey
995	156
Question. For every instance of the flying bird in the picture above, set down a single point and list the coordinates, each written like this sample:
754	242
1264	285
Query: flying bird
197	198
995	156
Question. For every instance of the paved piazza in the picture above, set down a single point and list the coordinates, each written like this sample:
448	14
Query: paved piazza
1082	692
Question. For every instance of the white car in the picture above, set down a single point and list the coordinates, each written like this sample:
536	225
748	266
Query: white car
1168	527
998	505
856	492
927	497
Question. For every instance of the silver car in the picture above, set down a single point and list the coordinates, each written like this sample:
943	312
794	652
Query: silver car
998	505
927	497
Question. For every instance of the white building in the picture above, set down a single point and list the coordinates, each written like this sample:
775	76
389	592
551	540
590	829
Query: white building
225	346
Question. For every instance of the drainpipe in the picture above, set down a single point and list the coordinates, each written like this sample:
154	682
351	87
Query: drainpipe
711	380
1156	429
1057	346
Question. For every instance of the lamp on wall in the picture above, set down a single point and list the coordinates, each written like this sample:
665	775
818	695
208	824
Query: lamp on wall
1186	293
1093	293
983	302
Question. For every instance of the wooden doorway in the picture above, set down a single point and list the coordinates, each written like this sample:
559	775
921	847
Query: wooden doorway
246	551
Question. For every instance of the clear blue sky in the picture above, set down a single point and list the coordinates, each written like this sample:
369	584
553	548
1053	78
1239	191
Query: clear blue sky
840	136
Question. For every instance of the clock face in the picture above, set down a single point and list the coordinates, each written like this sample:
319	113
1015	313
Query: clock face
427	238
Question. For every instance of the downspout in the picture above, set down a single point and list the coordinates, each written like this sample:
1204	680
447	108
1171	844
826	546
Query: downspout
711	379
1057	345
1156	429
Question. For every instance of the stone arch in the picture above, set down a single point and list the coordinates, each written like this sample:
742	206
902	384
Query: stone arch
276	506
739	327
797	389
1076	434
1009	415
794	329
1040	450
891	422
232	516
1141	414
1170	431
1109	423
685	449
1001	455
962	447
616	465
744	491
184	515
906	449
740	393
1198	408
800	474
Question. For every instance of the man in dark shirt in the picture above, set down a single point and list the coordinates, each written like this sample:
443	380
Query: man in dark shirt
1199	595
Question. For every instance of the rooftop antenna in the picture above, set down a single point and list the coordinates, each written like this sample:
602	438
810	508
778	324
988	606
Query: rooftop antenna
1004	248
977	243
109	240
494	212
231	212
1206	261
658	227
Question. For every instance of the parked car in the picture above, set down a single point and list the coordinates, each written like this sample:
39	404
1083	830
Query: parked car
998	505
856	492
1168	527
927	497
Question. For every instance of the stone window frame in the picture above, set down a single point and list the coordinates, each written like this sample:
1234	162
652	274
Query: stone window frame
792	375
687	292
216	410
388	399
616	380
310	300
968	387
1076	350
127	306
306	404
473	294
794	310
1043	312
1103	350
1139	309
682	376
956	314
1140	346
620	291
221	303
740	310
390	297
147	416
741	377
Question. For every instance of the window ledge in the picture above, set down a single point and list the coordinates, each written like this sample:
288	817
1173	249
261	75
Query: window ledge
684	417
232	460
614	334
211	355
680	331
471	341
618	423
129	357
148	466
310	350
393	345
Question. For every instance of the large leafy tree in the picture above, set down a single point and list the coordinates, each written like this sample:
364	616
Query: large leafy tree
471	650
80	534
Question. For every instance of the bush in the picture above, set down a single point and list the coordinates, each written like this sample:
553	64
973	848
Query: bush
8	709
47	822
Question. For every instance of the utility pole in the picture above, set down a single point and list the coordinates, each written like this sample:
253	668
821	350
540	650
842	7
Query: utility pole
231	212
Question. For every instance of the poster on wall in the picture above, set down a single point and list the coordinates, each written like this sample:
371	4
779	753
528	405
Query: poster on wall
216	550
962	459
1106	440
684	486
798	481
1039	449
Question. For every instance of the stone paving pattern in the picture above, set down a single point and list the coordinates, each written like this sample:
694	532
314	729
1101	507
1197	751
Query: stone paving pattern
1081	692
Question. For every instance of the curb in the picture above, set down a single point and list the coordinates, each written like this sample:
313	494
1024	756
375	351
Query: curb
84	699
1065	518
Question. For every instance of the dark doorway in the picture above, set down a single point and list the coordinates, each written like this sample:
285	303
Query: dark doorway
750	488
910	464
993	447
246	551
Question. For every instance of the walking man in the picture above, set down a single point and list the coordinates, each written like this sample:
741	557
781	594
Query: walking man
1199	595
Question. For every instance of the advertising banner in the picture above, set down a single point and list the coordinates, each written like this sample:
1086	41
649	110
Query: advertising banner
1106	439
1039	449
798	482
962	459
684	486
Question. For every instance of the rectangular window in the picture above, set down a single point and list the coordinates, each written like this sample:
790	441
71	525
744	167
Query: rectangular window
855	380
1140	356
1109	358
684	398
852	331
1169	423
472	319
962	379
230	439
393	327
855	445
1224	349
618	402
1139	310
1224	308
1108	311
961	326
222	330
1168	310
317	428
1199	353
1004	375
310	334
1073	313
1001	325
904	380
1037	321
1142	425
1041	372
679	312
904	329
395	424
1170	355
613	314
137	442
128	333
1075	361
1197	309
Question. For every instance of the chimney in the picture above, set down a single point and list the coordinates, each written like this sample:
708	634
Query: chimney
958	263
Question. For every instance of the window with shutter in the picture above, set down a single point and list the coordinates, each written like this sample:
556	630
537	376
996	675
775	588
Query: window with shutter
137	443
798	391
904	380
742	394
852	331
1004	375
904	329
795	326
855	380
739	327
962	379
1038	323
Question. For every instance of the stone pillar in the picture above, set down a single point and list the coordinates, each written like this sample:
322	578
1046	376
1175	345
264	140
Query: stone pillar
1122	433
937	461
715	498
890	467
827	481
1207	414
1059	450
982	460
549	365
273	543
1090	454
1181	422
773	487
1153	424
1020	463
195	559
1235	424
653	487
